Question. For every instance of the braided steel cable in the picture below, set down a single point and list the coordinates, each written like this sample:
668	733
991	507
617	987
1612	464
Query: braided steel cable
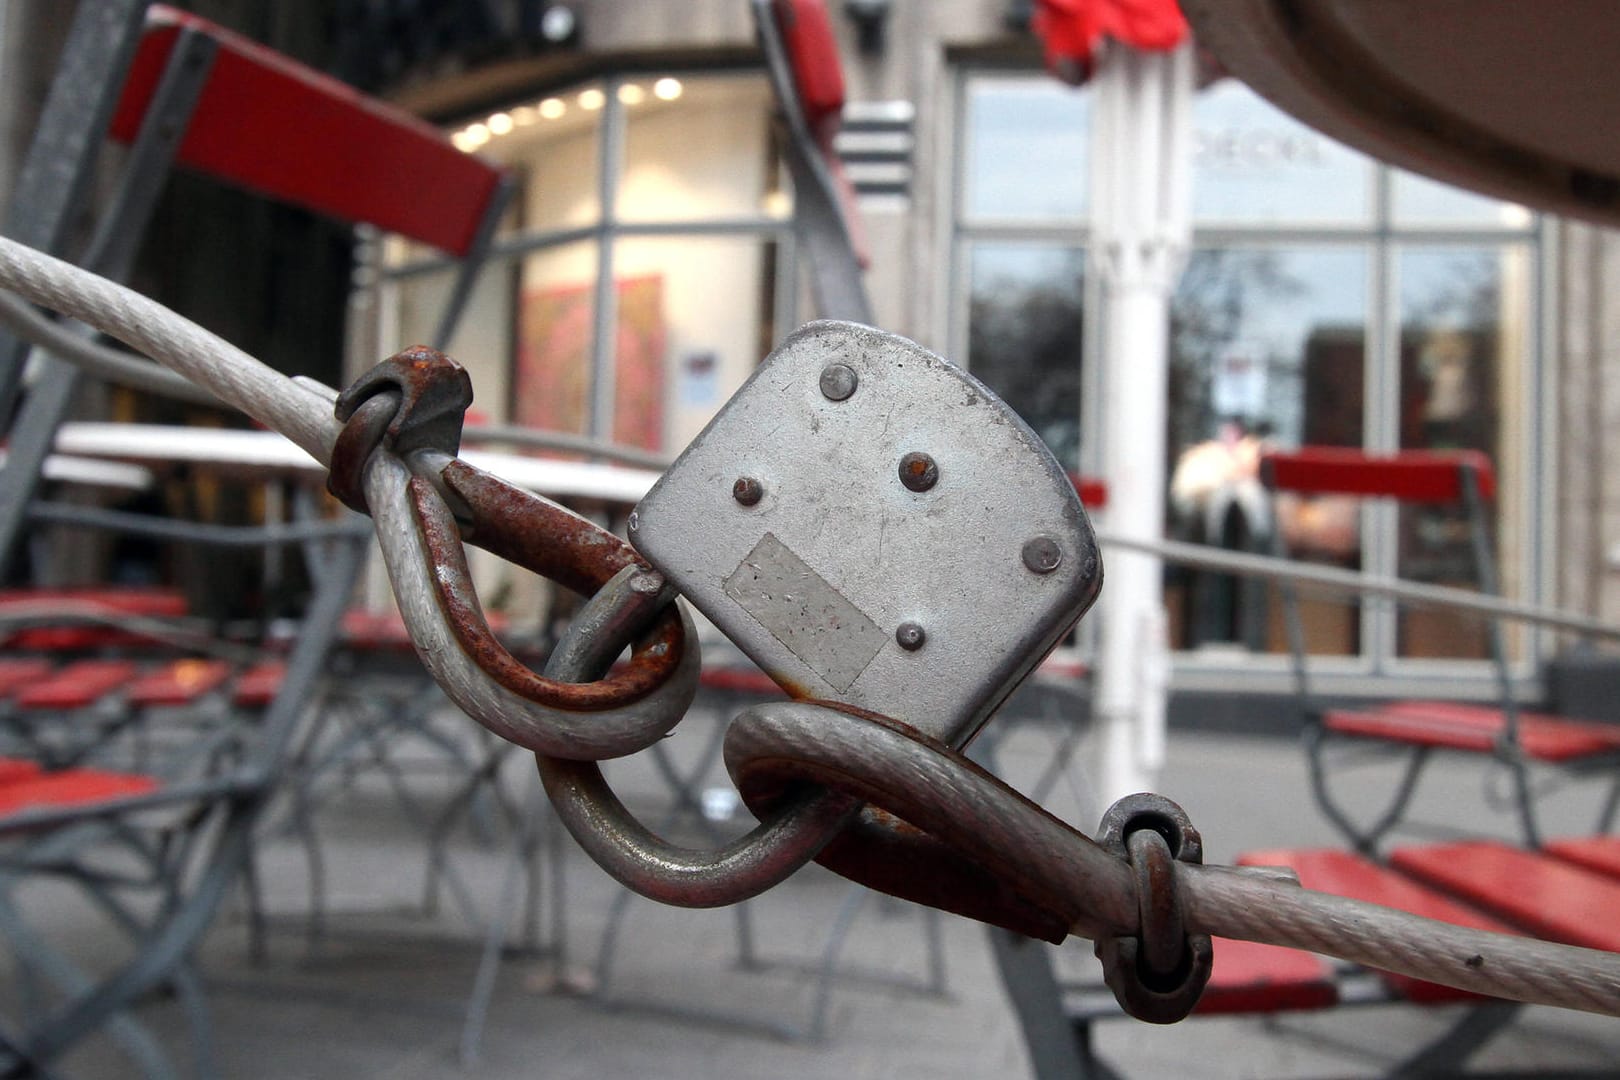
112	365
1232	903
925	784
180	344
973	813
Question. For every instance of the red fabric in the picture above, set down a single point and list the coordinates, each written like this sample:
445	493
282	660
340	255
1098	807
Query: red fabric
1433	476
14	769
1343	874
77	685
1252	978
278	128
1599	853
1447	725
1545	895
1093	490
179	682
72	787
16	674
259	685
740	680
818	74
152	603
1071	29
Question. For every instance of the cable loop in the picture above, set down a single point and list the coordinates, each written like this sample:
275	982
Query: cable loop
394	458
1159	973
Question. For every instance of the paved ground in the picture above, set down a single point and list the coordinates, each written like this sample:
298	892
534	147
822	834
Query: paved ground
383	994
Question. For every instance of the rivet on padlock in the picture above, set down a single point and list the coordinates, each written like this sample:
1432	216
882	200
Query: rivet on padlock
871	525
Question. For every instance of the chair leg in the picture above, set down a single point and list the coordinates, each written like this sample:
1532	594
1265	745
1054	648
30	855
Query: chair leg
1058	1048
1525	799
1451	1051
1363	840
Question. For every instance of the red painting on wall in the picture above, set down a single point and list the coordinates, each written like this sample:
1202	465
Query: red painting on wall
552	385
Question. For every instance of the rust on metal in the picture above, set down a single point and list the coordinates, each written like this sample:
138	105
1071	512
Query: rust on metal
654	657
433	394
536	533
361	434
1158	974
917	857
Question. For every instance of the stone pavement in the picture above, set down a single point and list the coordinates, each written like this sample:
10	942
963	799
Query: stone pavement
382	994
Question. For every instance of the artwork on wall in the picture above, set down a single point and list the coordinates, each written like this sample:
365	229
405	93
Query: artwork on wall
551	388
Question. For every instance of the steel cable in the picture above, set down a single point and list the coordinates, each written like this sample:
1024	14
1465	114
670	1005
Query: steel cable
992	822
974	813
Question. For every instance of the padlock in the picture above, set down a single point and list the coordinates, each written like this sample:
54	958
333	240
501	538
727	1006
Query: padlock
871	525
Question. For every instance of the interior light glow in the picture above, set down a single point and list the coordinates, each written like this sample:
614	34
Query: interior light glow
552	108
524	115
592	99
667	89
500	124
631	94
475	134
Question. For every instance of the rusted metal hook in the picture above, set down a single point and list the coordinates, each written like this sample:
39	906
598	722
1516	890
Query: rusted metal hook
410	490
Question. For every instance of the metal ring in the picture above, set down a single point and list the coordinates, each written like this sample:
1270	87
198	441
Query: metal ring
400	503
940	830
1158	973
786	838
655	656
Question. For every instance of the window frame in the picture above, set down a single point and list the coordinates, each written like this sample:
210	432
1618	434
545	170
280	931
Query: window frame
1383	237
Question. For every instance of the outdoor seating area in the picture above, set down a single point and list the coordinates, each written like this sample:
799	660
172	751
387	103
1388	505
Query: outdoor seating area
723	696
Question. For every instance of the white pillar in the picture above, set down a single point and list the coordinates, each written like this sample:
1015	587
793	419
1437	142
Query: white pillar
1141	144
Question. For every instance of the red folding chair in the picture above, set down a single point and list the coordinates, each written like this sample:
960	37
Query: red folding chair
1415	729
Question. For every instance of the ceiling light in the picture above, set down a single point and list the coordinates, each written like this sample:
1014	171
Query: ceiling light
551	108
592	99
524	115
667	89
631	94
500	123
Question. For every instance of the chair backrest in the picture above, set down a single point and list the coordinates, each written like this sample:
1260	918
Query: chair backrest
1423	476
273	126
1461	478
202	97
801	58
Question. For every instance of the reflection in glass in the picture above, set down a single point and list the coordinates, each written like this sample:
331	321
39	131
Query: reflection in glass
1421	201
1027	142
554	144
694	316
702	152
552	383
1462	334
1266	345
1253	163
482	340
1024	335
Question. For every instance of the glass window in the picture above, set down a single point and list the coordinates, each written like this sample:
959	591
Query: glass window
1267	345
1462	350
556	323
696	148
1252	163
482	340
1421	201
1024	336
554	142
694	315
1027	148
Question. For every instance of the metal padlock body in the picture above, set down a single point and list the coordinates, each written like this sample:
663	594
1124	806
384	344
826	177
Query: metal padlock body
787	523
